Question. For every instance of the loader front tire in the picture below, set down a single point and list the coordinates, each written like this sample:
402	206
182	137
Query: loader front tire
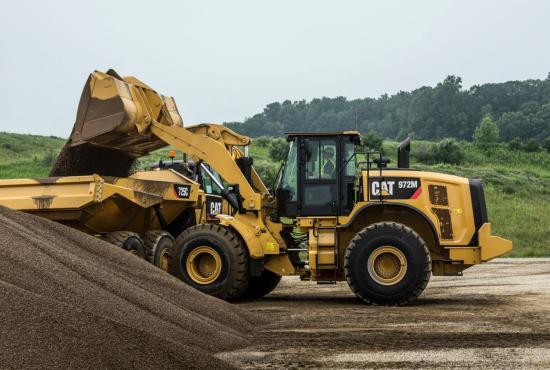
127	240
212	259
258	286
387	263
159	248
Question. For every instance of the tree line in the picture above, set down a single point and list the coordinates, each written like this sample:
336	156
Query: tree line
520	110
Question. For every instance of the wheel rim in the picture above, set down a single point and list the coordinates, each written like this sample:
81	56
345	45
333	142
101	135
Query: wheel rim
387	265
163	260
204	265
133	252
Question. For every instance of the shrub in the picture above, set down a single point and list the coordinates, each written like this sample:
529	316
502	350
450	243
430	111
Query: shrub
487	133
515	144
446	151
263	141
546	144
268	172
423	152
449	151
373	141
278	149
531	146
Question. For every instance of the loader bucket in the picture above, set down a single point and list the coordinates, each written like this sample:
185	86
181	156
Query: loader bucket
112	126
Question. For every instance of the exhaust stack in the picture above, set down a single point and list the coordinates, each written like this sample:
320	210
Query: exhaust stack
403	153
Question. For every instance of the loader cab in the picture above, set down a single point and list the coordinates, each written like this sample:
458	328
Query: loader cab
319	174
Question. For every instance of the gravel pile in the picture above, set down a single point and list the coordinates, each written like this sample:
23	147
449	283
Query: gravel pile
70	300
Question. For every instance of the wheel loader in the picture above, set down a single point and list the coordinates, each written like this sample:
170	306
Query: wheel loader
336	212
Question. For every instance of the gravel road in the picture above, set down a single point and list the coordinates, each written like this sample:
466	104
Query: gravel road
497	315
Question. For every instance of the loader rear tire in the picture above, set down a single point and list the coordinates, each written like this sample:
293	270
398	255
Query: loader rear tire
159	248
212	259
127	240
258	286
387	263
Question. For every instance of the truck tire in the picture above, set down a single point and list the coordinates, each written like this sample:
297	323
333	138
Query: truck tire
387	263
212	259
127	240
159	248
258	286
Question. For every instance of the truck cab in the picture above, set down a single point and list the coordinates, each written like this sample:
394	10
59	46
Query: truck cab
214	201
319	174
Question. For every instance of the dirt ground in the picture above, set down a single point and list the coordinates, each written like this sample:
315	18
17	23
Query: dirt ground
497	315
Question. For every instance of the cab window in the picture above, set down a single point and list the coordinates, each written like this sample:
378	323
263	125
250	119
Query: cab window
289	180
320	159
349	150
208	185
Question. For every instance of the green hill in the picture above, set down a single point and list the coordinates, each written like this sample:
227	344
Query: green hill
27	155
517	183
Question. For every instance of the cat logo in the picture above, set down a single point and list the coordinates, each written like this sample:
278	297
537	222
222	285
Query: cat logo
386	187
213	206
394	188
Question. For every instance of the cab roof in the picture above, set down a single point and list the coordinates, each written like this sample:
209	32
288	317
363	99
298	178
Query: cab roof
355	134
325	133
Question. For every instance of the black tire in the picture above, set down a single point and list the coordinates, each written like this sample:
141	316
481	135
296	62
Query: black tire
258	286
127	240
233	275
159	244
362	281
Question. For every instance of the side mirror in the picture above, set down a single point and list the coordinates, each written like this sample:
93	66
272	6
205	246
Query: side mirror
381	162
403	153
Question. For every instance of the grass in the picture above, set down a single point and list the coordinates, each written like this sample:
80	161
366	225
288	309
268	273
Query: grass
27	155
522	218
517	184
24	168
17	147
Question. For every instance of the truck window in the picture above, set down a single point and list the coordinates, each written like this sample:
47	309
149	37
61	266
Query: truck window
289	180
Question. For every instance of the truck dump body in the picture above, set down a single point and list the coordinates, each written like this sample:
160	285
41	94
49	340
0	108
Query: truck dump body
100	204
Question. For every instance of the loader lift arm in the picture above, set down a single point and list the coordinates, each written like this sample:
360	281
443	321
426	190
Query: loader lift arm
214	152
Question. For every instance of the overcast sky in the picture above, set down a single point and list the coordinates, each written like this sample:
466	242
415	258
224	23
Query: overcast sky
225	60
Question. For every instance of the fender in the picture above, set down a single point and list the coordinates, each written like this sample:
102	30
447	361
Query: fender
392	204
255	235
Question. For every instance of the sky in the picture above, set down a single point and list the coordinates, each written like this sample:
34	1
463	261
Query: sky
226	60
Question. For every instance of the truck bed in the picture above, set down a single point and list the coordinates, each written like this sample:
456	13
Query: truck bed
99	204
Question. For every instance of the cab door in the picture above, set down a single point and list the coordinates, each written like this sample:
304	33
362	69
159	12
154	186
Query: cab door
319	176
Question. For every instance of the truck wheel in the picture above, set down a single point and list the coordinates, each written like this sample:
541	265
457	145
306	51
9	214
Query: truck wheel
258	286
212	259
387	264
158	247
127	240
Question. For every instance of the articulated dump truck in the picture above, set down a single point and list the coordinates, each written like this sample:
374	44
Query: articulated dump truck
336	213
138	214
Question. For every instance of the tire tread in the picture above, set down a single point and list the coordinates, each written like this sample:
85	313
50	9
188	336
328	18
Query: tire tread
406	230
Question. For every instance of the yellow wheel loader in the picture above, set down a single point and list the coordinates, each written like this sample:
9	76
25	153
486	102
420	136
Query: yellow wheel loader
336	213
